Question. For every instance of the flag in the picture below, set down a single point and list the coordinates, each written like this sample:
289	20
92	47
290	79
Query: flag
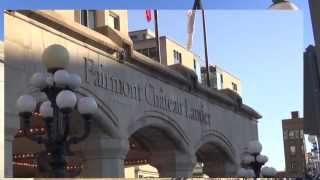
191	16
148	15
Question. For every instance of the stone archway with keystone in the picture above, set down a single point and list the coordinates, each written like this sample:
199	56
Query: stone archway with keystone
172	119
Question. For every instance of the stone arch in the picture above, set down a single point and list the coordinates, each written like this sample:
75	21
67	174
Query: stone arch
164	122
161	141
217	154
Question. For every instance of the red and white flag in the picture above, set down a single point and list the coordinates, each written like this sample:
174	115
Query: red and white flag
148	15
191	17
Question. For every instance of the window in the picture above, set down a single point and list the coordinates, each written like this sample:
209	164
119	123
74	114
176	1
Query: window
292	165
293	150
177	57
291	134
234	86
302	149
221	79
194	64
285	134
152	52
145	52
301	134
134	37
88	18
114	21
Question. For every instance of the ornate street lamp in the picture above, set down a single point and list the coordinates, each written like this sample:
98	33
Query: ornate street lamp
254	159
58	85
283	5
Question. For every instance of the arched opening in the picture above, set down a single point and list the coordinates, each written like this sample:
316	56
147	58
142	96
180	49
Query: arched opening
215	158
156	149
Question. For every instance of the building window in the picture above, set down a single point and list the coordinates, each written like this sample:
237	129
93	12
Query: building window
292	165
194	64
152	52
234	86
114	21
177	57
301	134
285	134
134	37
144	51
293	150
291	134
302	149
88	18
221	80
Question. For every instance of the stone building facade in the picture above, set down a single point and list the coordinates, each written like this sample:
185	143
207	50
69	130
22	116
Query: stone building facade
294	145
147	112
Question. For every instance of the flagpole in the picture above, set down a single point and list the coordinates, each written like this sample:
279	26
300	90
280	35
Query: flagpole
205	44
198	5
157	35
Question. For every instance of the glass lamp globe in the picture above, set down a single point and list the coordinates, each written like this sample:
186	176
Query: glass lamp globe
87	105
273	172
283	5
55	57
262	158
26	104
74	81
46	109
254	147
66	99
38	80
268	171
61	78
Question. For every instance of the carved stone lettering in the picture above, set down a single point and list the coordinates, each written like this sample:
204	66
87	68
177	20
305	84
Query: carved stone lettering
96	75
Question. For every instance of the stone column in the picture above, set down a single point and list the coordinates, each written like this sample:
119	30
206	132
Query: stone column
104	157
8	164
173	164
10	130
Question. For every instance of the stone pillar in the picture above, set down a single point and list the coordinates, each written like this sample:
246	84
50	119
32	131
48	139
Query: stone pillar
104	157
11	128
8	164
173	164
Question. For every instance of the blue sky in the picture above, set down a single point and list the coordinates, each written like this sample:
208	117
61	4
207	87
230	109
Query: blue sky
263	48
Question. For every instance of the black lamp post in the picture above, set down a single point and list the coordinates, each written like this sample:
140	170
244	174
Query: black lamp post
254	160
58	85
